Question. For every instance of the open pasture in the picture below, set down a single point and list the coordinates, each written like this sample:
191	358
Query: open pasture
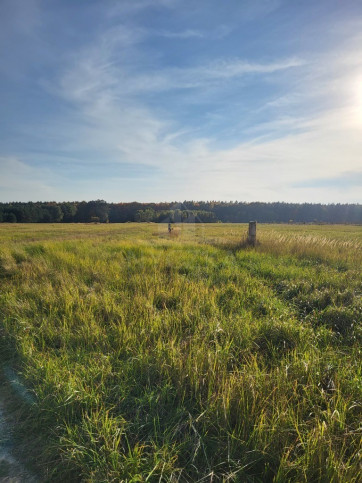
184	357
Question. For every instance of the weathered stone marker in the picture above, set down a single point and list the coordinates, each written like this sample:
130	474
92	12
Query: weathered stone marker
252	233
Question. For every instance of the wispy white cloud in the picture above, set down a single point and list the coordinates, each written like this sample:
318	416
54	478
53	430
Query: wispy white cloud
113	122
129	82
204	75
130	7
21	182
185	34
346	180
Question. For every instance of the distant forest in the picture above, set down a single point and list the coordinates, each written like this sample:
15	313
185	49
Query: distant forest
99	211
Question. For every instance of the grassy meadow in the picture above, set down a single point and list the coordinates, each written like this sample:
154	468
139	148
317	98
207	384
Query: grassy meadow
185	357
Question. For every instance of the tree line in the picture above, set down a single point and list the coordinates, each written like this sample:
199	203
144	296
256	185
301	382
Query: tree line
99	211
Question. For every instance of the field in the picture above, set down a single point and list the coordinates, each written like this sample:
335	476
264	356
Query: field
128	354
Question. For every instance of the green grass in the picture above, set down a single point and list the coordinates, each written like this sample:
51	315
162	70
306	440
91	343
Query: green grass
186	358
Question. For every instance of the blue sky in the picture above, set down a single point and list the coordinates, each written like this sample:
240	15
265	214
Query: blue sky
152	100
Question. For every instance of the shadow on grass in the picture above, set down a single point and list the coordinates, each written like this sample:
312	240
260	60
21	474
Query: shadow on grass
23	439
234	246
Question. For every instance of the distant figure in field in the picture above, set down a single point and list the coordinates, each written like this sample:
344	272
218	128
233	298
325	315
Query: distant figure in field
169	228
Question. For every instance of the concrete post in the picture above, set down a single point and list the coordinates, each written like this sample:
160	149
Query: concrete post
252	233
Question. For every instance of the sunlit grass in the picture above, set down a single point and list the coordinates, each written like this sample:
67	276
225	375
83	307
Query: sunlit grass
190	357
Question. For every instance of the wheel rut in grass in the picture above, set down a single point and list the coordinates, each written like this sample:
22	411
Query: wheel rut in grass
12	457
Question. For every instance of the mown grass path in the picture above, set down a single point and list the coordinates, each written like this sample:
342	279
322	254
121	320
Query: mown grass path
187	357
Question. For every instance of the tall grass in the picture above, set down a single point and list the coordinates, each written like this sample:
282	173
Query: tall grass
157	358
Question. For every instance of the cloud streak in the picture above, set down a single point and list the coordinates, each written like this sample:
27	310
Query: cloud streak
343	181
185	34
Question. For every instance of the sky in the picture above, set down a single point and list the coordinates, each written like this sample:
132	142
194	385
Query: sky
165	100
